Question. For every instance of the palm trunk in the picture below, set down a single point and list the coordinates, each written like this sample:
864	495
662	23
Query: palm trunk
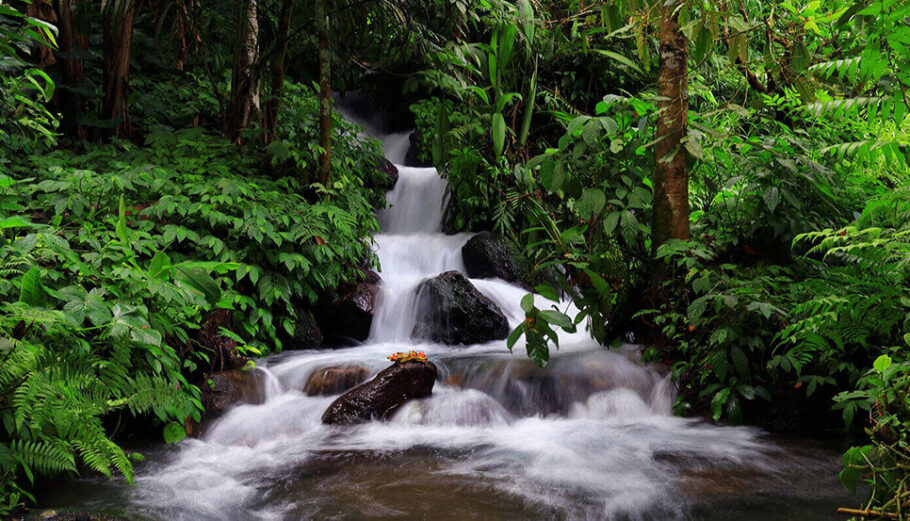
117	42
671	183
276	69
244	105
70	100
325	93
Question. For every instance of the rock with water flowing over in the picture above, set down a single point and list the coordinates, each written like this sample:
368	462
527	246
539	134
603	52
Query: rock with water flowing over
452	311
349	312
225	389
488	254
382	396
334	380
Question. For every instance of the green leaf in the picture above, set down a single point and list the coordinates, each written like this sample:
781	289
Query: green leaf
32	290
882	363
515	335
548	292
198	279
15	222
173	432
558	319
499	134
159	266
590	203
122	230
527	302
800	59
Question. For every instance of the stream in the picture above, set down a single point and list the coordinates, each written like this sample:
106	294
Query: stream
589	437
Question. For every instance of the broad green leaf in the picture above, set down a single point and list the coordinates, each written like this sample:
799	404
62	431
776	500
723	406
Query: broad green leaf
31	291
590	203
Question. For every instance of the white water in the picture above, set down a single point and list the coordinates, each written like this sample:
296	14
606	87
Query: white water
590	437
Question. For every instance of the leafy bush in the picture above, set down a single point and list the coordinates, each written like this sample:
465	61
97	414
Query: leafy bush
112	257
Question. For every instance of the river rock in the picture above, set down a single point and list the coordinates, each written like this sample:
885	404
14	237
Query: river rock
452	311
488	254
334	380
390	171
225	389
382	396
349	312
307	334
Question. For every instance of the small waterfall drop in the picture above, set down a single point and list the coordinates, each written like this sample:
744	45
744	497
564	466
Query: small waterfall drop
589	437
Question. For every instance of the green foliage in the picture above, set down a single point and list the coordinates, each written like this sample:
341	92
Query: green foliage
113	256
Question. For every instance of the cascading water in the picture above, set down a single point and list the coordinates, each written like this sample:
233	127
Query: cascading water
589	437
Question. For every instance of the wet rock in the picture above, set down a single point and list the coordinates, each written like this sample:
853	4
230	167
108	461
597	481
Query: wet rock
307	334
225	389
382	396
222	351
488	254
334	380
390	172
452	311
349	312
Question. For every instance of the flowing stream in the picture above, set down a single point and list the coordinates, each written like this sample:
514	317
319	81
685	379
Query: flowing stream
589	437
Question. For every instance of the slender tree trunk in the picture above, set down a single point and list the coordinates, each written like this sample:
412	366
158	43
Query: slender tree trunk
244	104
276	70
42	53
325	92
671	183
72	73
117	42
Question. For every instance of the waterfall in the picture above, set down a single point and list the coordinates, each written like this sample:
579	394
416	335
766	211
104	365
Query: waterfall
589	437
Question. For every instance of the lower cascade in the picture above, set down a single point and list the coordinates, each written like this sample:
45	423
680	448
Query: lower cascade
591	436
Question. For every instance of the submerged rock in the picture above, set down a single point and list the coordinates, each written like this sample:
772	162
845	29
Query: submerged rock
452	311
382	396
225	389
334	380
349	313
488	254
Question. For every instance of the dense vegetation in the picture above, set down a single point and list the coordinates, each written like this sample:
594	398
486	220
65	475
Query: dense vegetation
725	182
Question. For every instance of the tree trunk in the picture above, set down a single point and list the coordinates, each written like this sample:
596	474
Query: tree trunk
325	93
671	183
68	98
42	53
244	104
276	70
117	41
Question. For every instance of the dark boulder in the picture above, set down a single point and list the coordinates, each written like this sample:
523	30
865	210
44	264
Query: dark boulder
307	334
390	173
348	314
452	311
225	389
488	254
334	380
382	396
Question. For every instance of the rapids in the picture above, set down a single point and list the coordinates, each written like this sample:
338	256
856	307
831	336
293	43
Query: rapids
590	437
